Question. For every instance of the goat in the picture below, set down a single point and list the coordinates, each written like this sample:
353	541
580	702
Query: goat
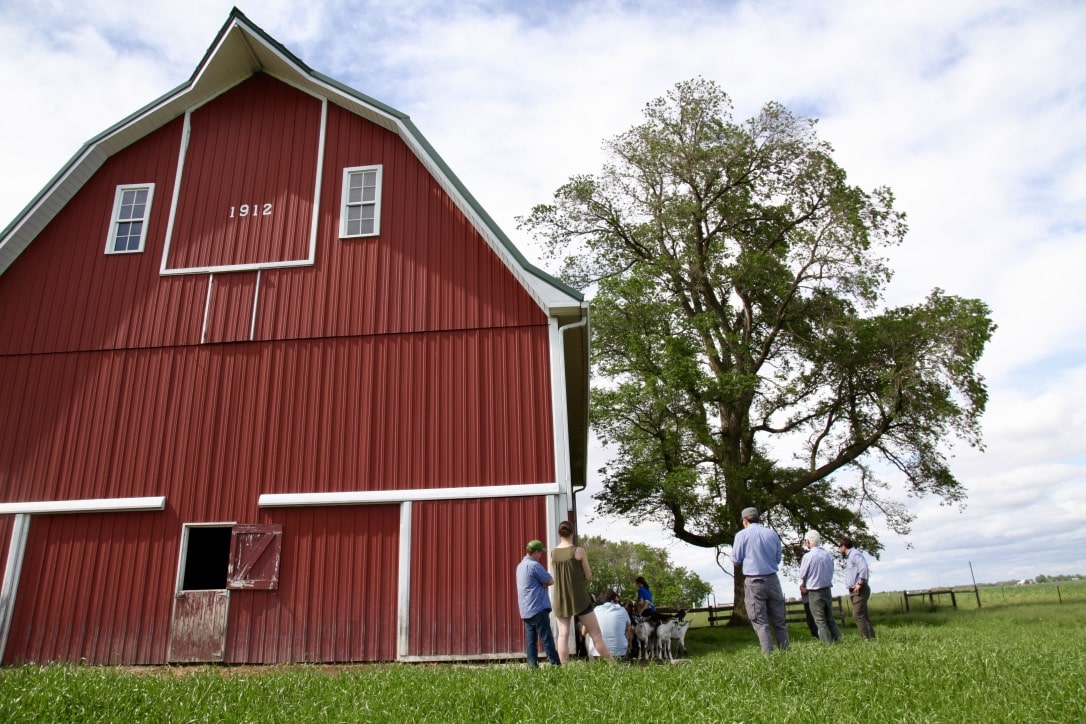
640	636
645	633
668	629
664	632
678	633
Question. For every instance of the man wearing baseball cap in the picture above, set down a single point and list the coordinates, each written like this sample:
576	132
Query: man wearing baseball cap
757	551
535	604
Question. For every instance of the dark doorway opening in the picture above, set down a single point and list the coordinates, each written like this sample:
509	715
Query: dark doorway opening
207	558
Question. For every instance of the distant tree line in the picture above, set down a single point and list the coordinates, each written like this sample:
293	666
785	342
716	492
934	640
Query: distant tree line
616	565
1043	578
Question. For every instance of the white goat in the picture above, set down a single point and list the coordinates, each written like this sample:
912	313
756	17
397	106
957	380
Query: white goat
645	632
678	633
664	632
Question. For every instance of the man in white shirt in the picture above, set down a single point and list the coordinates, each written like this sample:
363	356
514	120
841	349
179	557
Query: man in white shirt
615	624
815	581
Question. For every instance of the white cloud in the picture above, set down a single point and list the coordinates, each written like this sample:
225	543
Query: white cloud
971	111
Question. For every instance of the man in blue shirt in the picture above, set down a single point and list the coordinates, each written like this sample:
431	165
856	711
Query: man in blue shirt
856	581
816	581
535	604
757	552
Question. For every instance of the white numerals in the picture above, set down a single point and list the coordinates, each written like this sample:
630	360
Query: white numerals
249	210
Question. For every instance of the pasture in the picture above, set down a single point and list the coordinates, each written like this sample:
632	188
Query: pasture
1021	657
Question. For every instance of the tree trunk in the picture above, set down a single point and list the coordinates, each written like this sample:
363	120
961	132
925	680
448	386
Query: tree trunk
739	606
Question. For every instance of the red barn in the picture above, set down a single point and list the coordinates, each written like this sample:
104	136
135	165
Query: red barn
274	387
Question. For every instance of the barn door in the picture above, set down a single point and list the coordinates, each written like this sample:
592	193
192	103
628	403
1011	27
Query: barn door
214	559
198	632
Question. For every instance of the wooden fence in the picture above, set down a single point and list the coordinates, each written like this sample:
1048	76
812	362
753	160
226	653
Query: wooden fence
793	611
932	593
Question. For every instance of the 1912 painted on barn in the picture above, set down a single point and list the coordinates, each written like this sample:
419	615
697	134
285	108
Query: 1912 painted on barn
266	367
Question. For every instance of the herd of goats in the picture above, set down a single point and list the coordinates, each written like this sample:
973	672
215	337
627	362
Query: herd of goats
652	635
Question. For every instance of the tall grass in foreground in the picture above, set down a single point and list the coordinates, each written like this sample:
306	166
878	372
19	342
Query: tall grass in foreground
1022	662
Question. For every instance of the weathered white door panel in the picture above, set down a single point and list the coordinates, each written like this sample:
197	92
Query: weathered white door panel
198	629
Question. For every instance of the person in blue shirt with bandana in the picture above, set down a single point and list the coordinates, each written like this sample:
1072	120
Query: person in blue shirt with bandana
757	552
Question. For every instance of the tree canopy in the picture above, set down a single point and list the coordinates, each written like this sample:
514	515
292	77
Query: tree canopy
616	565
742	350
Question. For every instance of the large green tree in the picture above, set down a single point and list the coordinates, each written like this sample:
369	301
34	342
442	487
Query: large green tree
742	348
616	565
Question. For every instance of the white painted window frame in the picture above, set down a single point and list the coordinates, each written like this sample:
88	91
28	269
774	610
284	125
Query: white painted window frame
183	553
115	219
346	204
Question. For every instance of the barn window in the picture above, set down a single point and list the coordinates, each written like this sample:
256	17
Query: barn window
131	210
230	556
360	214
206	557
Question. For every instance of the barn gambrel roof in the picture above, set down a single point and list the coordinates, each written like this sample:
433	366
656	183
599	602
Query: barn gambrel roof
241	49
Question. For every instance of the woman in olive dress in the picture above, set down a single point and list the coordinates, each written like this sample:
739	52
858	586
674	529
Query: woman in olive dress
569	565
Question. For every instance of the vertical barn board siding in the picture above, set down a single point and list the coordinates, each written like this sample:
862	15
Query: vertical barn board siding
230	313
464	556
336	599
213	427
255	145
429	269
65	293
92	588
409	360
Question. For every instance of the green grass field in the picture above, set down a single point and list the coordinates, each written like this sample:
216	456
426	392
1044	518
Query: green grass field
1020	657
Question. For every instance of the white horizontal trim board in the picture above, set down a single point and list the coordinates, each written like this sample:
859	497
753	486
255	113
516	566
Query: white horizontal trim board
364	497
87	505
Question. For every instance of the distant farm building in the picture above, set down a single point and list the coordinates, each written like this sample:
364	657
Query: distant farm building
275	388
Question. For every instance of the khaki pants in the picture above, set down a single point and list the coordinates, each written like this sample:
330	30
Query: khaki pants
765	607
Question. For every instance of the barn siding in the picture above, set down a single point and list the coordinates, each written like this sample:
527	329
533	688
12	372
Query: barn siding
99	588
65	293
252	146
464	555
429	270
213	427
92	589
337	592
230	307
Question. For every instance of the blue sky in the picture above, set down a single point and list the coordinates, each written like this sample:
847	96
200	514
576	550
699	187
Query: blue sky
972	111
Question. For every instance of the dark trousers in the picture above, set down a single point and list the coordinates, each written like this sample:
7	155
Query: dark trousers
539	626
859	611
822	611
